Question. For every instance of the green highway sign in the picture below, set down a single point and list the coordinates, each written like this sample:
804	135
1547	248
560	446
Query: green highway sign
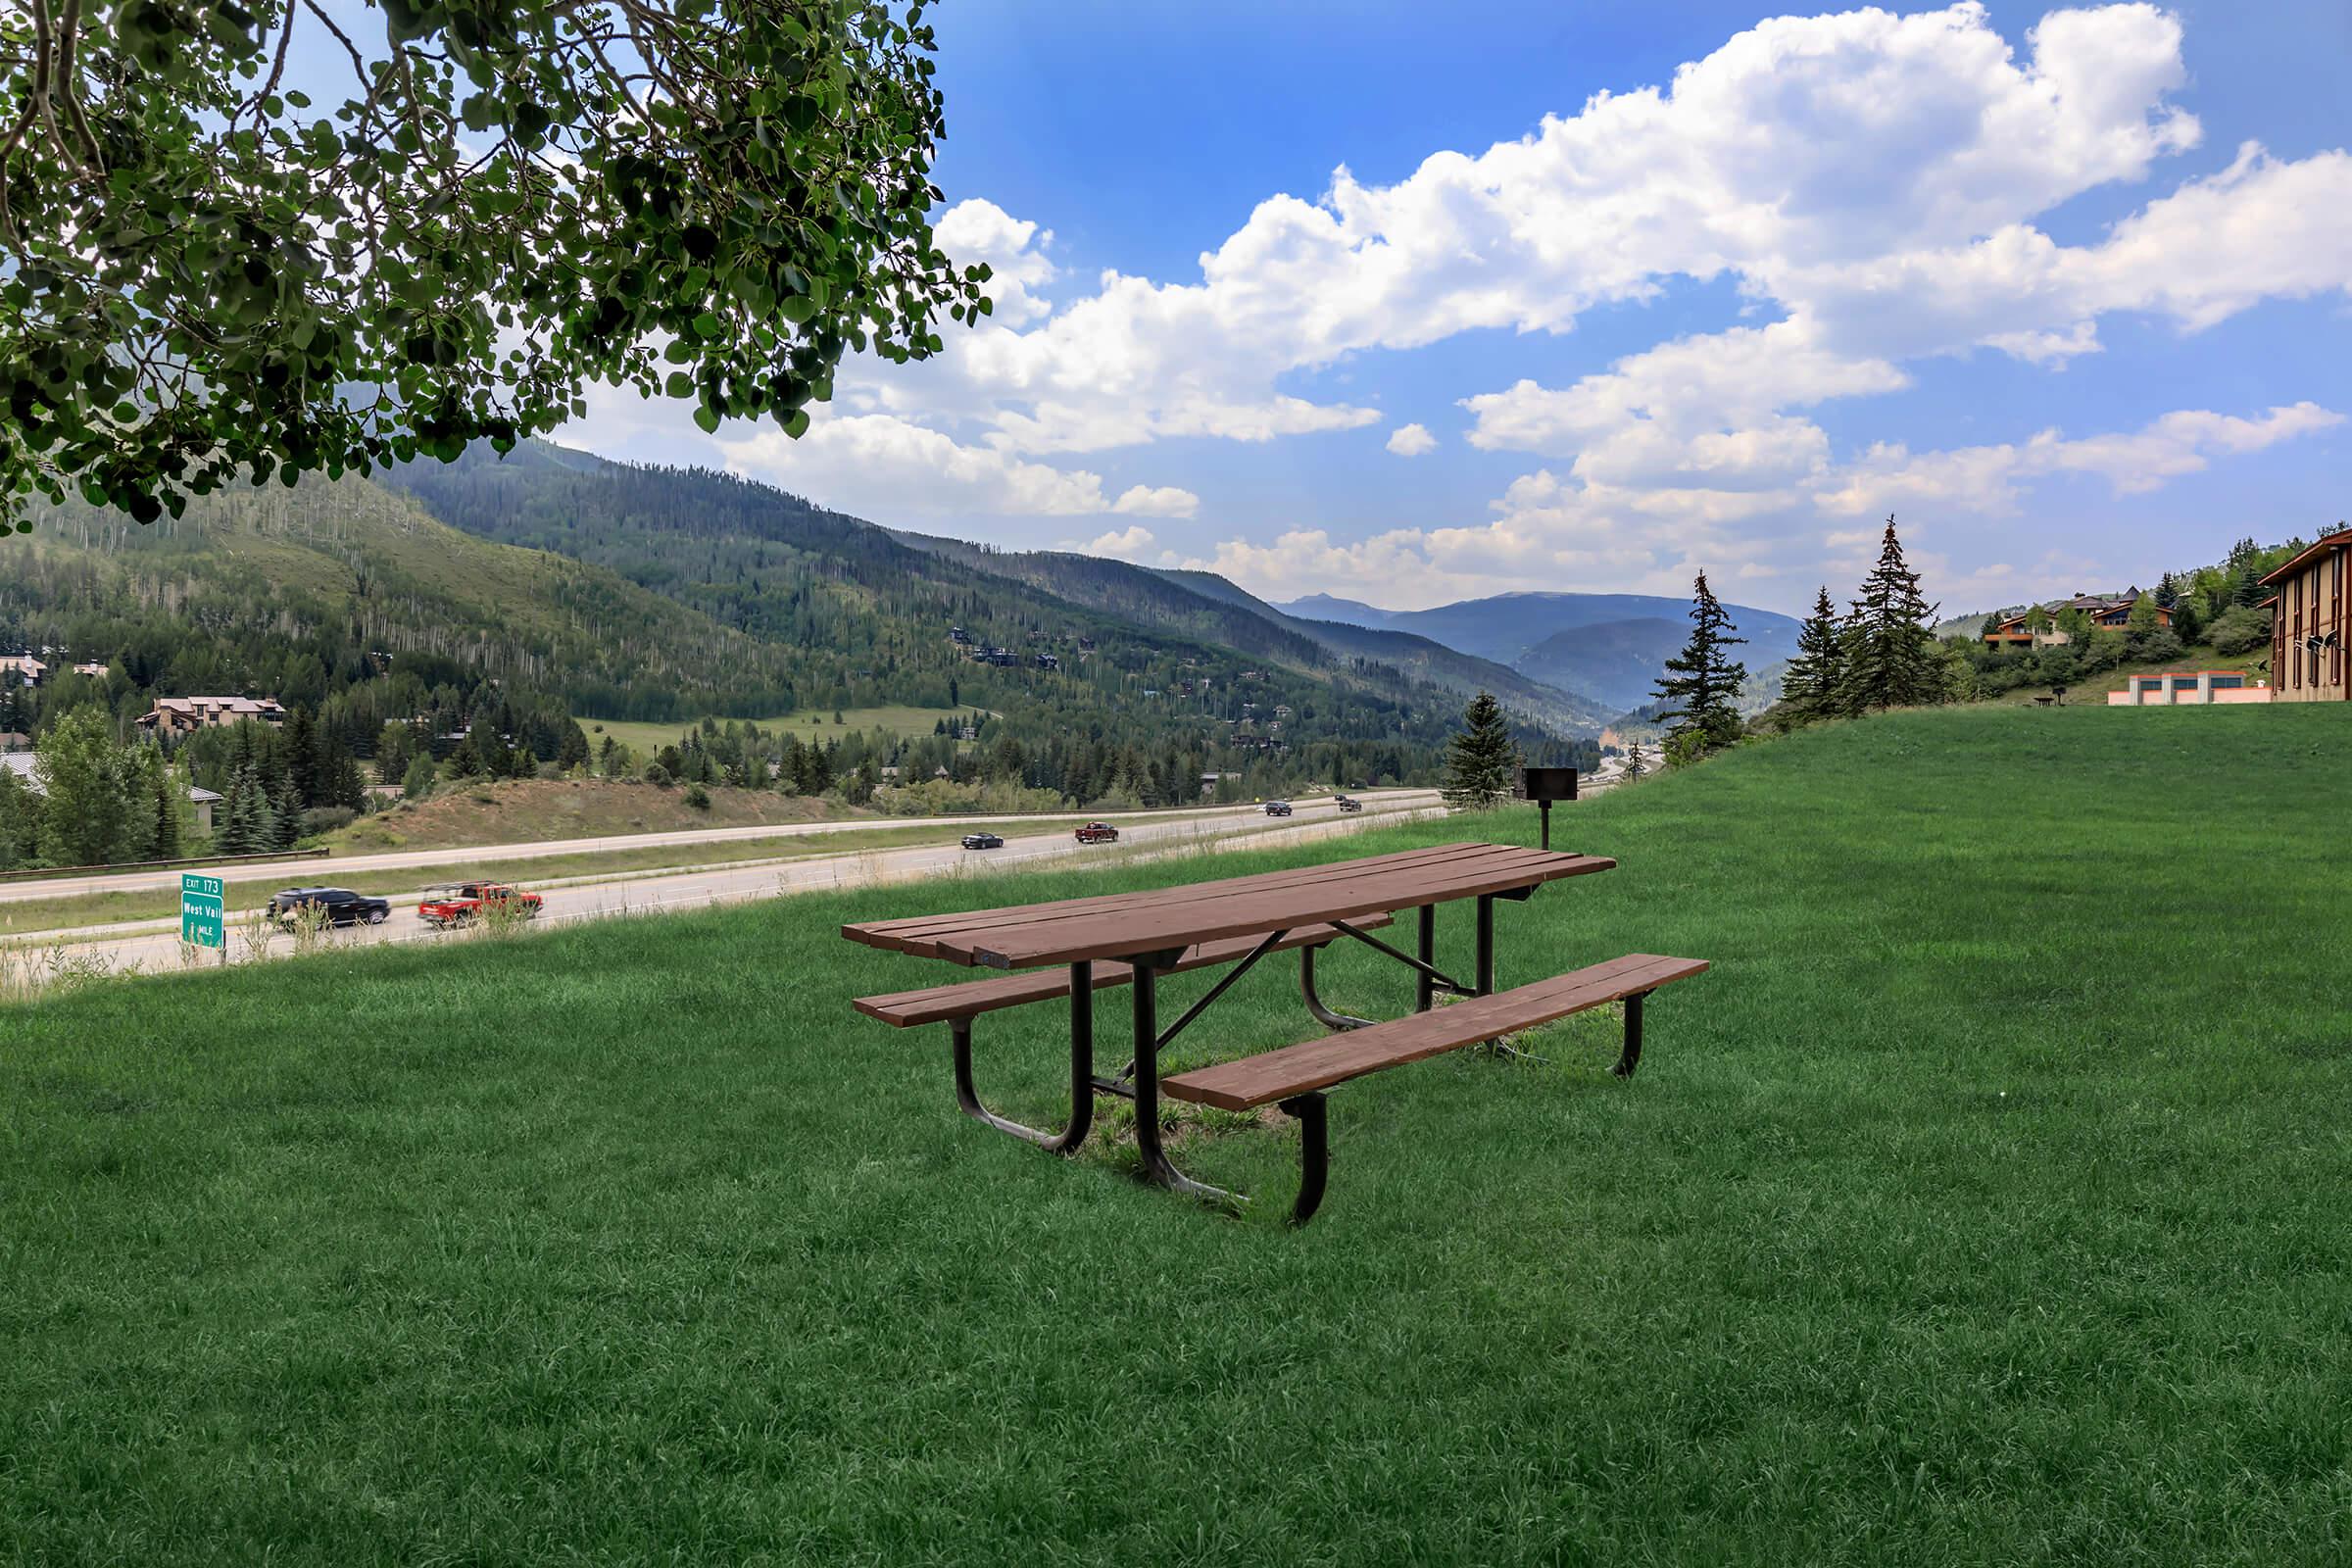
201	919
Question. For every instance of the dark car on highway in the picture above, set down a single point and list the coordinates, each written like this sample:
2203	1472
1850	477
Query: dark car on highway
983	841
336	905
1347	802
1278	807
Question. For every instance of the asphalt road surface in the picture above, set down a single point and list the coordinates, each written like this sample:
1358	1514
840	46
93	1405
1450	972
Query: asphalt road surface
153	945
298	873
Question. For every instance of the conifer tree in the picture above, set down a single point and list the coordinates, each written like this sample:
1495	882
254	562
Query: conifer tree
1634	764
1698	695
1814	681
167	818
1889	654
1479	759
247	826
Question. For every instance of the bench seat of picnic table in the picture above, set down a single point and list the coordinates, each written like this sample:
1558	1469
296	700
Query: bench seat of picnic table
903	1010
1316	1064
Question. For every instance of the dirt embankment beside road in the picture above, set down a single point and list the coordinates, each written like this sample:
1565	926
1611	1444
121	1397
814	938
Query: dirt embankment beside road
526	810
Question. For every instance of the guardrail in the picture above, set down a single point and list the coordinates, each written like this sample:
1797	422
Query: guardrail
160	865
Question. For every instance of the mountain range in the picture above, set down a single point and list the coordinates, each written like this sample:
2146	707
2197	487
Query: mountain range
623	591
1609	648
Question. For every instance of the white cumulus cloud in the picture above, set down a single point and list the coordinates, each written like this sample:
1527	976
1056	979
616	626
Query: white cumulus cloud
1411	440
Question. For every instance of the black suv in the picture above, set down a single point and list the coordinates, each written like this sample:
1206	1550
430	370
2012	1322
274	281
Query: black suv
1278	807
1347	802
340	906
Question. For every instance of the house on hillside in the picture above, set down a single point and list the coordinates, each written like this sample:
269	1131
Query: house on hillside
2311	624
91	666
25	669
2106	613
12	740
185	715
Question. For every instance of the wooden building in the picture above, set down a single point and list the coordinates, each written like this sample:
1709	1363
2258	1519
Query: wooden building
2104	612
2311	624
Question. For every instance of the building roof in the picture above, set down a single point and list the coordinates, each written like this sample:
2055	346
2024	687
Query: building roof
19	764
200	796
2342	539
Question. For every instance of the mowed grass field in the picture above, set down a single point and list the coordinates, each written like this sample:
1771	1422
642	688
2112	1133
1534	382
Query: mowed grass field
807	724
1984	1203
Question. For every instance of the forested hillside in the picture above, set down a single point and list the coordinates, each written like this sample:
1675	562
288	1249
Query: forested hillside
871	617
467	614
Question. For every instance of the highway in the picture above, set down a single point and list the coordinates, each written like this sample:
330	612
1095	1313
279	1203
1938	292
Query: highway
154	946
298	873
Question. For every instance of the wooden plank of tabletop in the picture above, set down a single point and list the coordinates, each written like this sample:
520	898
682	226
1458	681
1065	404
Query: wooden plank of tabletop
1170	926
918	934
921	926
956	938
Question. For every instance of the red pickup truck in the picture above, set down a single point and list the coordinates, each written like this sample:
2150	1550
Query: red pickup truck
1098	833
460	902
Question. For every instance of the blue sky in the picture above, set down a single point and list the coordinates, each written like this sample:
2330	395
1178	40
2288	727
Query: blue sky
2065	290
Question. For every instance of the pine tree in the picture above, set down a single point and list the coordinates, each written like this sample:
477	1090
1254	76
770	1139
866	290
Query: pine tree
1815	680
2168	592
166	819
247	827
285	815
1479	760
1888	652
1634	764
1699	694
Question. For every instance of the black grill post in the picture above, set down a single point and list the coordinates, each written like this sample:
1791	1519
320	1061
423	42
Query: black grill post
1545	785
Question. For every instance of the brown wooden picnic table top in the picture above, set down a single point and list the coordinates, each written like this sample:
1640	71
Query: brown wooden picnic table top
1161	920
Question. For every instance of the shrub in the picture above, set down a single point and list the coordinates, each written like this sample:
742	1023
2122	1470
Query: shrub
326	818
657	776
697	797
418	782
2240	630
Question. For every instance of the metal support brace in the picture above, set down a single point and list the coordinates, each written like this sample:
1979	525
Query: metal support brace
1214	992
1632	1057
1432	977
1082	1071
1315	1003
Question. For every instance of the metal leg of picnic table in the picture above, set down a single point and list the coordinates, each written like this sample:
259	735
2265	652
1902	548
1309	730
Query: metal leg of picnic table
1425	990
1632	1055
1082	1072
1314	1001
1485	946
1146	1097
1314	1154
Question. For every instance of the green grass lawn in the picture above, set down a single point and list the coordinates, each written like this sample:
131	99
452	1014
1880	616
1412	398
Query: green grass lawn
807	724
1983	1205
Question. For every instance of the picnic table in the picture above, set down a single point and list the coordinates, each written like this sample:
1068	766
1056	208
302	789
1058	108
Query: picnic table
1073	947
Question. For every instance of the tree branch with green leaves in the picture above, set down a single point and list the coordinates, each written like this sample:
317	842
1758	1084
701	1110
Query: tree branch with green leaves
204	276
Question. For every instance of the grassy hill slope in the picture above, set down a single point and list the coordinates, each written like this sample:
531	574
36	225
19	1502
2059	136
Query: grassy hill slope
1981	1207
